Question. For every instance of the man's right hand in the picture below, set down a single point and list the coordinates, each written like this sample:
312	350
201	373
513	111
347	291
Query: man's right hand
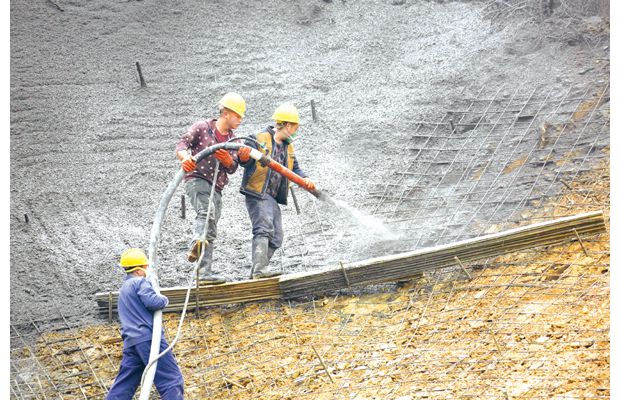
188	163
244	154
309	185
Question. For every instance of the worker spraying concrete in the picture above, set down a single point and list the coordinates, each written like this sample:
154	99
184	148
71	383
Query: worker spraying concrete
265	187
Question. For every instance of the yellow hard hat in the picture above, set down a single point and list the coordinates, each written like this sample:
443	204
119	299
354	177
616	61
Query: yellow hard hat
234	101
286	113
132	259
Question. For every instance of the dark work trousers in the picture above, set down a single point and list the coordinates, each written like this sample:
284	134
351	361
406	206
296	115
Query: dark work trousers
266	219
168	377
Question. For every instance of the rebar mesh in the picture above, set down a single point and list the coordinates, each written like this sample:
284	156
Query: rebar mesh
484	166
533	324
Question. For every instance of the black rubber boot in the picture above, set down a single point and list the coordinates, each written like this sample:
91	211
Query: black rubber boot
260	259
205	274
270	253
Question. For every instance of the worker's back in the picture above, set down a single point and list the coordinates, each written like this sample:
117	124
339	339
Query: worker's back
136	302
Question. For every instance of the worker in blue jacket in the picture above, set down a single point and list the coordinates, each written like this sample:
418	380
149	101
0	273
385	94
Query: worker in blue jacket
137	300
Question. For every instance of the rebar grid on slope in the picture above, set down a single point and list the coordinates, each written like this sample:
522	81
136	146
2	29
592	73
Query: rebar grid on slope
484	164
489	185
512	329
532	325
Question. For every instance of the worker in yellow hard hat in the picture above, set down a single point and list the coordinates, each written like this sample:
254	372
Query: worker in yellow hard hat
200	177
137	300
264	189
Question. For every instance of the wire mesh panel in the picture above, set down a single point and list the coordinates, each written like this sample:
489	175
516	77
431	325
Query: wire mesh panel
50	358
484	166
532	324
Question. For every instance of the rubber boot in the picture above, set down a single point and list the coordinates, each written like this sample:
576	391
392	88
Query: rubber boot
260	259
270	253
205	273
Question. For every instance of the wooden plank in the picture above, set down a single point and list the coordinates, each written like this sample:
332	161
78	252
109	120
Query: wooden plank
382	269
227	293
403	265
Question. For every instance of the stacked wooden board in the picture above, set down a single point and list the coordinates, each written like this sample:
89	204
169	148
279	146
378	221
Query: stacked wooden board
206	295
399	266
382	269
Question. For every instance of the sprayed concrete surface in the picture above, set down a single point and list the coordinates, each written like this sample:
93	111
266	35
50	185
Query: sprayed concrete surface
92	152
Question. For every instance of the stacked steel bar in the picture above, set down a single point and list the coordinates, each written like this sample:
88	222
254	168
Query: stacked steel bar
404	265
382	269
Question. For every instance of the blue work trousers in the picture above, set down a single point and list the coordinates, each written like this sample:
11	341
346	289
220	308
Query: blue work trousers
266	219
168	378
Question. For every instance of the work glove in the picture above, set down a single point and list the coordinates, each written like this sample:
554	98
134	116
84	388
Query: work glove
188	163
309	185
225	158
244	154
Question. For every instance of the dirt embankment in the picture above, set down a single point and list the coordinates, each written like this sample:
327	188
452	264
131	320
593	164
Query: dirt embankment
519	328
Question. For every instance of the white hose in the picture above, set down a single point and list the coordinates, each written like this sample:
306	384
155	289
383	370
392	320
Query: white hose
152	277
149	372
153	360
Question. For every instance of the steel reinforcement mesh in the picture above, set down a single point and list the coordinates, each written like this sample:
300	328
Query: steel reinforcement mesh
485	166
533	324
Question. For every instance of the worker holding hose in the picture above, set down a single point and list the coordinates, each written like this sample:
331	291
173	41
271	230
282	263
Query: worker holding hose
201	177
264	189
137	300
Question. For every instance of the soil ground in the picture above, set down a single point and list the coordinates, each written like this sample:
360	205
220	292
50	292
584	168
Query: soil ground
92	152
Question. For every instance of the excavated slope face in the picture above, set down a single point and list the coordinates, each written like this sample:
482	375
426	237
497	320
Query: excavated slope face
517	326
91	152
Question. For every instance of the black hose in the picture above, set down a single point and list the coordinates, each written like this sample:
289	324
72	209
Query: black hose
212	149
244	138
226	146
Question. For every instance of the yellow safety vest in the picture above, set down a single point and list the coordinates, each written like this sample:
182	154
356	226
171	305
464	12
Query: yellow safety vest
256	182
